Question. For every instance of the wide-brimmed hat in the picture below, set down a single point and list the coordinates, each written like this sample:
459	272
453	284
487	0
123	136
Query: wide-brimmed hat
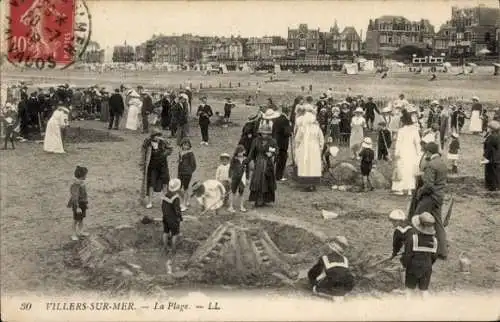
204	97
424	223
184	96
387	109
494	125
333	150
174	185
359	110
270	114
338	243
397	215
435	102
475	98
64	109
367	143
322	96
224	155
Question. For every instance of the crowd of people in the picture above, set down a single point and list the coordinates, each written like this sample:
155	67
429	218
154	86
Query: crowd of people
313	131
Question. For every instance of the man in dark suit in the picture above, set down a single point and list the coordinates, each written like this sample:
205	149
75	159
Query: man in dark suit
282	130
116	108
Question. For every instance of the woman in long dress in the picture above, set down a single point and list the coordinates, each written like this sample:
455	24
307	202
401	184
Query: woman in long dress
476	124
262	154
53	133
491	155
395	121
358	125
407	156
309	143
134	110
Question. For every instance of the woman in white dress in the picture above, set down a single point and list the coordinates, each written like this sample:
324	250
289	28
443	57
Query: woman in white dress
53	136
309	141
407	156
395	121
134	111
358	125
476	123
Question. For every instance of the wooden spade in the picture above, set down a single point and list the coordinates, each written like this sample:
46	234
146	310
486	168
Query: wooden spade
448	213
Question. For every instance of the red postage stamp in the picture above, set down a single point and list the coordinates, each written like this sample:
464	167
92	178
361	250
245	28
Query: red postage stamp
47	33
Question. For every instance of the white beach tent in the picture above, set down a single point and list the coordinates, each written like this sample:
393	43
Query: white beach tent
350	69
367	65
277	68
223	67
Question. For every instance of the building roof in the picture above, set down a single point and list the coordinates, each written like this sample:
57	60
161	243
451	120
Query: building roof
391	18
350	33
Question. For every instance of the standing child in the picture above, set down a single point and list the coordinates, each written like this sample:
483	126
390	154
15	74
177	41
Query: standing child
420	253
238	172
78	200
329	151
402	229
222	173
384	142
367	156
335	125
186	168
172	215
227	109
453	151
11	121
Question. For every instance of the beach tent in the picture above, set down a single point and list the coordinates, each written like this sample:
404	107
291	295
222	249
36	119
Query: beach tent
223	68
497	69
367	65
277	68
350	69
245	68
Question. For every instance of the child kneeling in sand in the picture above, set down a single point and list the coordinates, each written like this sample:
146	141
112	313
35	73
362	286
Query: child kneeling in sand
172	215
210	194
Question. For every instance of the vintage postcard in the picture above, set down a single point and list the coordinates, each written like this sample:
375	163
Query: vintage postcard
250	160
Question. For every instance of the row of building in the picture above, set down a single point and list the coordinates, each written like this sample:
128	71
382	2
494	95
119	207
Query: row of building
470	31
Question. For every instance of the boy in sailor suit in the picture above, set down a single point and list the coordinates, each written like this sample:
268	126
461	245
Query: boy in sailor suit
331	275
420	253
402	229
172	215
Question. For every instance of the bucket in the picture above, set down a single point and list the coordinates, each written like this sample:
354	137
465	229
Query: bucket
465	264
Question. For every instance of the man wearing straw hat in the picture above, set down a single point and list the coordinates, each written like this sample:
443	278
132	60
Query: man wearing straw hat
420	253
331	276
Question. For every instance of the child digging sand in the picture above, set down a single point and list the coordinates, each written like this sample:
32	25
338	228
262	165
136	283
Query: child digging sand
238	173
78	200
402	229
172	215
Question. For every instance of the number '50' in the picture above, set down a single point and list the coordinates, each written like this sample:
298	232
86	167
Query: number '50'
25	306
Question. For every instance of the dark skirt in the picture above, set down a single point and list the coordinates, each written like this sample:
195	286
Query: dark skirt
309	181
263	182
158	176
492	176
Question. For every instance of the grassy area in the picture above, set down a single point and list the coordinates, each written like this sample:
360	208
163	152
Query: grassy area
36	225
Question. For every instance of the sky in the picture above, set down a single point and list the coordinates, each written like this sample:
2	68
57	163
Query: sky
117	21
136	21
